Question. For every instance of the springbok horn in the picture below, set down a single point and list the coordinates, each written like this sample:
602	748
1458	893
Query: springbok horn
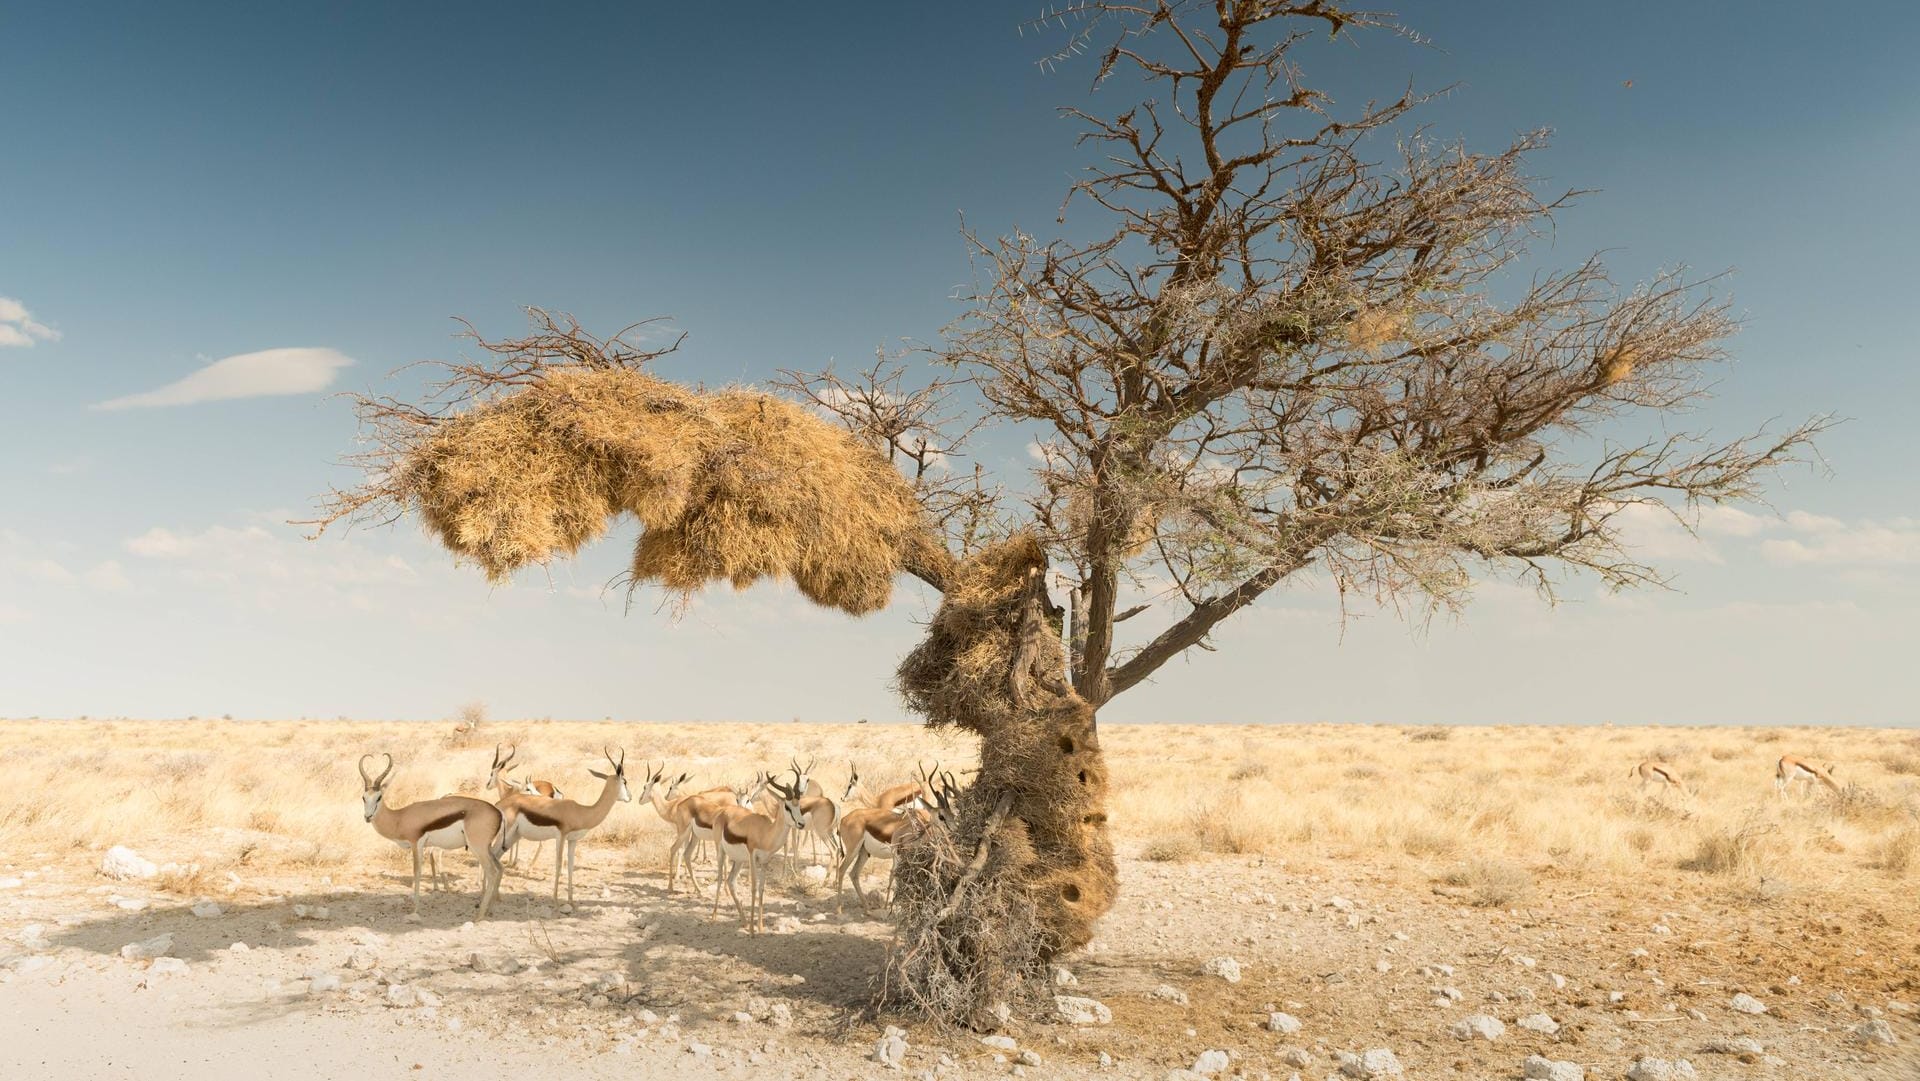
364	779
389	770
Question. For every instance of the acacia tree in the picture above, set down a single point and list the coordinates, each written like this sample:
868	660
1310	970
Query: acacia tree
1287	350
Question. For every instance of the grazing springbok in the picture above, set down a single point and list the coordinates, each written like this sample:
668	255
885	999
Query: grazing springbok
1791	769
1654	771
509	790
447	822
537	818
874	832
748	837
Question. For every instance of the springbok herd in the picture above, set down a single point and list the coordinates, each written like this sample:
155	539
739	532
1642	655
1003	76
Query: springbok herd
747	824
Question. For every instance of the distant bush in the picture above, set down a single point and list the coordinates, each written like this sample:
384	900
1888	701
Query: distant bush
1492	883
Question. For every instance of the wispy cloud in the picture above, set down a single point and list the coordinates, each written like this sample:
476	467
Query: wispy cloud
18	328
268	373
1828	542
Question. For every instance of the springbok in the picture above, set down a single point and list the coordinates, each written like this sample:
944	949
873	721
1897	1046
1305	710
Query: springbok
746	836
510	790
1654	771
823	817
898	796
447	822
537	818
1791	769
692	818
874	832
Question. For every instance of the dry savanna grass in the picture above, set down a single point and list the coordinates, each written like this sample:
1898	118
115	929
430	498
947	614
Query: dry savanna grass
1486	811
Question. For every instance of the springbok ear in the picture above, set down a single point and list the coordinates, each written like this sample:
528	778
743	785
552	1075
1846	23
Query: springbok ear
598	774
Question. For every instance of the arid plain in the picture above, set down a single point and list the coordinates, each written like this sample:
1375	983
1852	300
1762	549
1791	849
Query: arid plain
1380	887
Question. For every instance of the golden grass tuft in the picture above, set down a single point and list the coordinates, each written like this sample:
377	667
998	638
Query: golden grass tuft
1492	883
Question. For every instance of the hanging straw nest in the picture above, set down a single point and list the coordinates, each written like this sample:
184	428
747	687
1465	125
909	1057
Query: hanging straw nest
1028	866
733	485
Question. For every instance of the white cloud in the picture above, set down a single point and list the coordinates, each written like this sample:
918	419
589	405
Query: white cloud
1830	542
267	373
13	613
272	567
1652	534
18	328
108	577
1734	522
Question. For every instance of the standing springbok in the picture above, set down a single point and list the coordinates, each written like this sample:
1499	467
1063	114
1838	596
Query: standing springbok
823	817
1654	771
898	796
537	818
874	832
749	837
1791	769
511	790
447	822
692	818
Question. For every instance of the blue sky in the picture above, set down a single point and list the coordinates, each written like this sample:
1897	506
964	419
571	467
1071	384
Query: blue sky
328	188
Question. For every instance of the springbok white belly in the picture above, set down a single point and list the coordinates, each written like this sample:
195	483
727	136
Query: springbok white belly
527	831
454	836
875	847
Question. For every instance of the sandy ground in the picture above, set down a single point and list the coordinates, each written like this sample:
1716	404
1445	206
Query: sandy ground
642	983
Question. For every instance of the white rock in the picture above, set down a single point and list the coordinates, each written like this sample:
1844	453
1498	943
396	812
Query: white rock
891	1049
1437	971
1659	1069
1210	1063
425	997
1539	1022
1226	968
1546	1069
786	925
1451	994
1340	903
1480	1026
1523	962
207	910
999	1043
1875	1031
363	960
9	883
158	946
1696	1015
1662	929
780	1015
399	994
1739	1045
1558	981
239	947
1167	992
1383	965
122	862
167	966
1746	1003
129	904
1283	1022
814	875
1378	1062
323	982
1064	978
1076	1010
1029	1058
1297	1057
700	1050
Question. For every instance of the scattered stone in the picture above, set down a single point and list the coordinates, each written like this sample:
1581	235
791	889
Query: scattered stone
1340	903
1167	992
1480	1026
1659	1069
1697	1015
786	925
1746	1003
1558	981
814	875
1523	962
1451	994
167	966
1062	977
1539	1022
1662	929
1739	1045
323	982
207	910
1226	968
1546	1069
999	1043
401	995
1378	1062
122	863
1875	1031
239	947
1615	998
1210	1063
426	998
501	965
129	904
1383	966
780	1015
700	1050
1437	971
363	960
1297	1057
1075	1010
9	883
1029	1058
1283	1022
742	1017
309	912
891	1049
1105	1060
158	946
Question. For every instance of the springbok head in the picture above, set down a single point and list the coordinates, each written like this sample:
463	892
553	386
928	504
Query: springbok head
500	763
373	789
619	772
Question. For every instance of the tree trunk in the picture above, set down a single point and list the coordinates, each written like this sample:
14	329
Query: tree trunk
1026	866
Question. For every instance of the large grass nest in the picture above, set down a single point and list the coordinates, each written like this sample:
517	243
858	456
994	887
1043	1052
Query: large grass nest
732	485
1027	868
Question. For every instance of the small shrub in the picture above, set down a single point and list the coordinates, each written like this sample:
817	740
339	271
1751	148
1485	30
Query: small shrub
1171	848
1722	754
1902	762
1248	769
1734	850
1640	840
1492	883
1900	852
1434	734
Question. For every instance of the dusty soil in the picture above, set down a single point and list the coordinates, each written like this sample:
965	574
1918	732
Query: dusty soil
640	982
